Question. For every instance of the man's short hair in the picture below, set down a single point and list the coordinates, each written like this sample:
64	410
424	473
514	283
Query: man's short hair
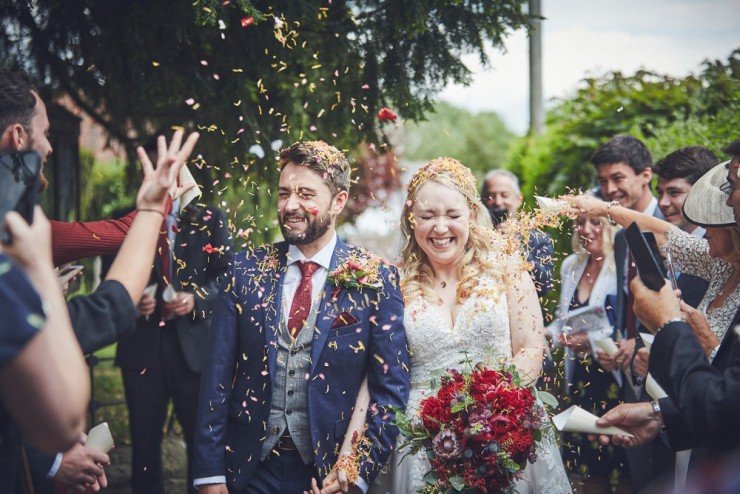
326	160
500	172
690	163
623	149
733	149
17	102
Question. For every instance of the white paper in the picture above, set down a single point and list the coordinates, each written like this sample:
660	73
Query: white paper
648	339
576	419
654	389
186	178
607	346
99	438
151	290
549	205
169	294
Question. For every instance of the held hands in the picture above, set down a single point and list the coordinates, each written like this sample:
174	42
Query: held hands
642	359
698	322
146	305
182	304
81	469
577	342
652	308
621	359
160	181
213	489
636	418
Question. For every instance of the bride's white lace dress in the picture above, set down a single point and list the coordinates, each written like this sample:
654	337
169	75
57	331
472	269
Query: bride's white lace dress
480	334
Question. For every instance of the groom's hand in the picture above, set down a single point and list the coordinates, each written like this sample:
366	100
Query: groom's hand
213	489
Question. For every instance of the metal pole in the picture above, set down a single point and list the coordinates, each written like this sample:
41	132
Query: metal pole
536	106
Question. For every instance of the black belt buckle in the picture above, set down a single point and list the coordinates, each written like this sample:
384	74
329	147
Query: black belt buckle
286	444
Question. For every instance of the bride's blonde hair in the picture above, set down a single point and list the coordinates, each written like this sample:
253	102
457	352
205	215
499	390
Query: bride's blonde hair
417	276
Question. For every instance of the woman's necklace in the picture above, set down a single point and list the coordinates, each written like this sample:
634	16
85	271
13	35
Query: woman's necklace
443	284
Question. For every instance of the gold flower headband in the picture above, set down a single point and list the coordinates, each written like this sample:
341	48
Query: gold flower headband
447	171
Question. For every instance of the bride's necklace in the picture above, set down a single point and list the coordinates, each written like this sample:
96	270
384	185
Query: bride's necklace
443	284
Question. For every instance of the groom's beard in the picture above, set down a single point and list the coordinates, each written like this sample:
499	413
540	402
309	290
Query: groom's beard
316	226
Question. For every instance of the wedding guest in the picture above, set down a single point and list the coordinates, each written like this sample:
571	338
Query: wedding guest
624	169
502	197
588	278
706	398
24	125
100	318
162	359
43	377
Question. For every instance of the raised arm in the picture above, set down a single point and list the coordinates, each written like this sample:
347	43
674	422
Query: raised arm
133	263
528	342
594	207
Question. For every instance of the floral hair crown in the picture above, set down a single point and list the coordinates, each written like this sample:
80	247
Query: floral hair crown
325	156
447	171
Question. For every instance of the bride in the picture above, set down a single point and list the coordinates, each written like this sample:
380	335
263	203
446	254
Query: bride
468	298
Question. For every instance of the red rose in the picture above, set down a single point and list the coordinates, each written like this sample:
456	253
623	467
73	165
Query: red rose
433	412
385	113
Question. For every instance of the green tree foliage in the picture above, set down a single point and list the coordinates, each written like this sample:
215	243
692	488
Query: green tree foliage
666	112
480	141
249	72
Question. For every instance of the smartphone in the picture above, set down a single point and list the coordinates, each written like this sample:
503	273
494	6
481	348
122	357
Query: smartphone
648	268
70	271
19	187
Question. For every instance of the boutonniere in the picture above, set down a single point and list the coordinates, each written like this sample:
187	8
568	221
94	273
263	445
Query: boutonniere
357	271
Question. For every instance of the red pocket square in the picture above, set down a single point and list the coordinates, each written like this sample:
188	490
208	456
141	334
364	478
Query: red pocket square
344	319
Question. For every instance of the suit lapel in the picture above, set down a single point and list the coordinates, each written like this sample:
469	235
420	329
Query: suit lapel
329	308
271	302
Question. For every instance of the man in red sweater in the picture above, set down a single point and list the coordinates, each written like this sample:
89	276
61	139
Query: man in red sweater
24	126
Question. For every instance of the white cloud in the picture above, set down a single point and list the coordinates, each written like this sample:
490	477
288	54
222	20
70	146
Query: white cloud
591	37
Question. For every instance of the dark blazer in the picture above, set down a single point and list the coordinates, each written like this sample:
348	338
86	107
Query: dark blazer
539	253
708	400
194	270
236	383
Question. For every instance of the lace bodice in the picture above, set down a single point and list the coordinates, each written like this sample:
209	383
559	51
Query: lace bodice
480	334
690	255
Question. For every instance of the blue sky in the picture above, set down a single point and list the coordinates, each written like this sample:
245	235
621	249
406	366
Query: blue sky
591	37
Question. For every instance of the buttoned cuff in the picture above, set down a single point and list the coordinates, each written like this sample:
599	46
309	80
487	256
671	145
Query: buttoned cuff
218	479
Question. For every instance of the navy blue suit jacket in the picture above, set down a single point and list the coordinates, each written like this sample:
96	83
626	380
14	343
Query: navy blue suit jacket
235	390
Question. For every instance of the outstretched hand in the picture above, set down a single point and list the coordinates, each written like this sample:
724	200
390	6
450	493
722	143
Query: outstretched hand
160	181
587	205
637	419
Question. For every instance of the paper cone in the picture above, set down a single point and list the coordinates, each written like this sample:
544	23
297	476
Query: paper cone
576	419
607	346
654	389
648	339
549	205
186	178
151	290
169	294
99	438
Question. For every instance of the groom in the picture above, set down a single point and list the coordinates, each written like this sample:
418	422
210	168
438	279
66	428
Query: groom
293	337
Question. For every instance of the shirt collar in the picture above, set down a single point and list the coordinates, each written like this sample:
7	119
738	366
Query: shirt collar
651	207
322	257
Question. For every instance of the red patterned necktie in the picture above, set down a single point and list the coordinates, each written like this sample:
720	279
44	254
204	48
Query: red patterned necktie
301	306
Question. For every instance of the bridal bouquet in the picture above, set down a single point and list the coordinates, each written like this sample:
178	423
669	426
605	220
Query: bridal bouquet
478	431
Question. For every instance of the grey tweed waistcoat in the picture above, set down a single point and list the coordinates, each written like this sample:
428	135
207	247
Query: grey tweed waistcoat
289	407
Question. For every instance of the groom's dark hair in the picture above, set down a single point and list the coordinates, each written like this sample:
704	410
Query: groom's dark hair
326	160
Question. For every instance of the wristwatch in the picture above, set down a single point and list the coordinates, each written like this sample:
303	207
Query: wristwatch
658	415
656	407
